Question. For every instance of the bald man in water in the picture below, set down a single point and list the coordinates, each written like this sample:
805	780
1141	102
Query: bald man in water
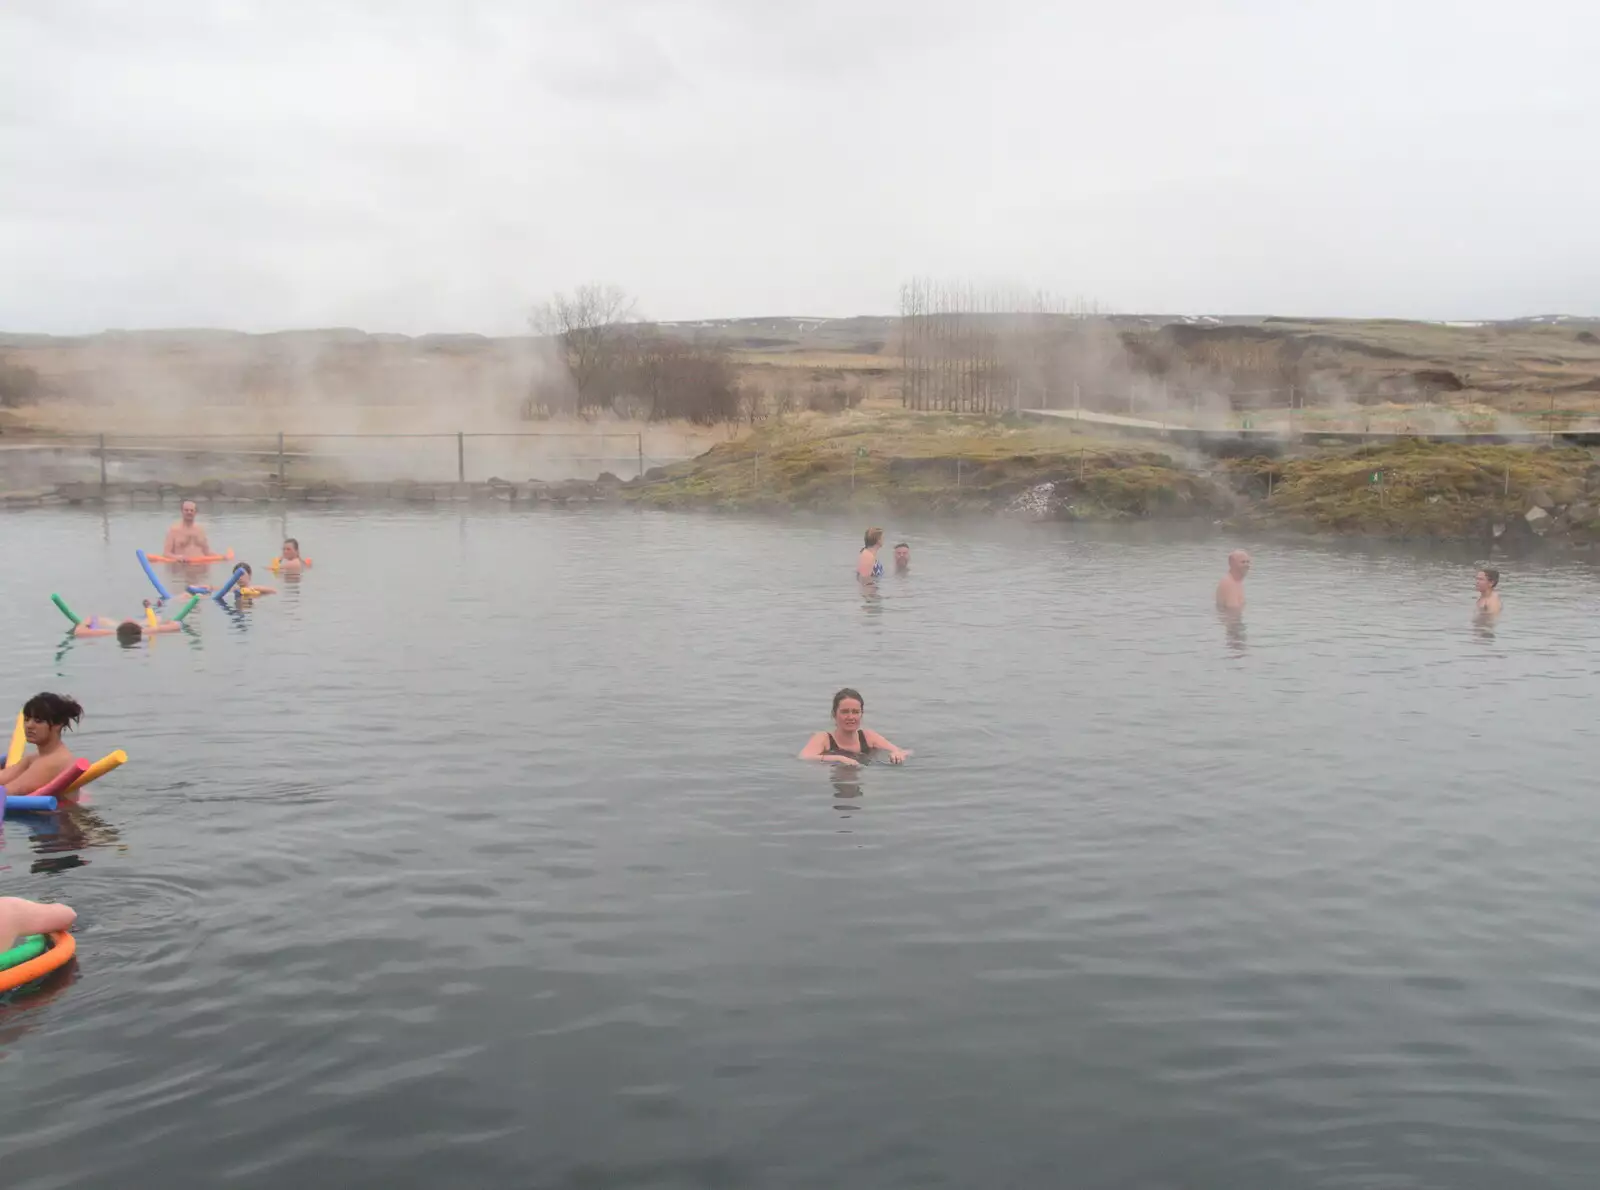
1230	591
187	539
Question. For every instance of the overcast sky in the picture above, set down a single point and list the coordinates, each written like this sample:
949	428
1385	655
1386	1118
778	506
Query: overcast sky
430	166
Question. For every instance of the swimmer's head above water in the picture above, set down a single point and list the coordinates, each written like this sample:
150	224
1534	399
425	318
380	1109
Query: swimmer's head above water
1239	564
45	716
848	707
130	632
1488	579
872	539
902	556
290	551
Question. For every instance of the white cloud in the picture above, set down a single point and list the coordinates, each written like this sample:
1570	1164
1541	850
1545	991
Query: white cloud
415	166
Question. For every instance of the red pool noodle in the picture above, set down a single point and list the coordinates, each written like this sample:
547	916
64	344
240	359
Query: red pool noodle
58	784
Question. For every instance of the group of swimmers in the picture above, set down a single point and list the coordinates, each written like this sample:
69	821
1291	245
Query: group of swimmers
46	716
867	564
1230	591
849	743
187	542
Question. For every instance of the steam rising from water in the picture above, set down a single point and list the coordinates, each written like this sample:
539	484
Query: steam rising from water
189	405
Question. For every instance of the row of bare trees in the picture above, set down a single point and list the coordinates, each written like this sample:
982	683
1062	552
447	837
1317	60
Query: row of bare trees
617	362
968	348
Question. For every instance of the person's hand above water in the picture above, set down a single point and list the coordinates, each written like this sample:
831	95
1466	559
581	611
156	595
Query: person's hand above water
885	745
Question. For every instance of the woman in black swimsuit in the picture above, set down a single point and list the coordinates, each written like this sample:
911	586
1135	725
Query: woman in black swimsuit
849	742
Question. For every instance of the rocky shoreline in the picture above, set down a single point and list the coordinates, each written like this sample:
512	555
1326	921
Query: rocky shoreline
1494	498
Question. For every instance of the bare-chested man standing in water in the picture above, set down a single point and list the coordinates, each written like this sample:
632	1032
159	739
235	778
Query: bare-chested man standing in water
1230	591
186	539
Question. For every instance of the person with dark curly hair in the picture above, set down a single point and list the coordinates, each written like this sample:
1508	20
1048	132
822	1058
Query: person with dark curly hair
44	717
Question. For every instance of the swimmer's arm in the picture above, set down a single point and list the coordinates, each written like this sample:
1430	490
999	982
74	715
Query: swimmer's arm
34	917
896	755
8	775
817	746
40	773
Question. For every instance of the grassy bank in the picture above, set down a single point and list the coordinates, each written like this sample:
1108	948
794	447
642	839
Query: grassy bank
1427	490
932	463
947	464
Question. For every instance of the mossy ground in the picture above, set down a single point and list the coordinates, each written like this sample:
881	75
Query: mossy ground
1417	489
949	464
913	462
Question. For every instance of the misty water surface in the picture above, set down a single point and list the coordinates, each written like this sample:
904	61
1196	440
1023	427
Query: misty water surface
479	859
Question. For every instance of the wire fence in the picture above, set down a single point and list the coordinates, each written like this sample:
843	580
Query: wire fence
287	458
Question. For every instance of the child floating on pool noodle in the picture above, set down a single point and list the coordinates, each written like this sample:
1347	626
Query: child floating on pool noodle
246	589
44	717
243	586
127	631
19	919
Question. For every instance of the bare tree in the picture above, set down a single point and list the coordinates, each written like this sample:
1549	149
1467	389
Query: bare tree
595	326
19	384
694	380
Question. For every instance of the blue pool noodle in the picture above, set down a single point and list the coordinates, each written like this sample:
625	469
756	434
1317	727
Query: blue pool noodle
238	573
145	562
27	802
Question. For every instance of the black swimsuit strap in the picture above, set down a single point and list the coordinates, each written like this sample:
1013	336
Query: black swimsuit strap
835	746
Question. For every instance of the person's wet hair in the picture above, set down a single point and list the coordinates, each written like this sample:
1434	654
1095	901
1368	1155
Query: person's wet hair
900	545
874	536
1492	575
58	710
245	566
129	631
291	541
848	693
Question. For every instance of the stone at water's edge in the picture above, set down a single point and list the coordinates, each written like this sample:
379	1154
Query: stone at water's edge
1538	519
1037	502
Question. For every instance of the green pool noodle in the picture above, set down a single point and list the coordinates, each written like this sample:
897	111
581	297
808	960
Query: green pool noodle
186	609
65	610
29	948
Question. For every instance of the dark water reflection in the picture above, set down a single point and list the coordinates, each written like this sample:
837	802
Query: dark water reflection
478	858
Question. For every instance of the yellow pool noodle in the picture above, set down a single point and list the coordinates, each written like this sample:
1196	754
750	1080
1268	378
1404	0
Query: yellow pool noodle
150	614
99	769
19	744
